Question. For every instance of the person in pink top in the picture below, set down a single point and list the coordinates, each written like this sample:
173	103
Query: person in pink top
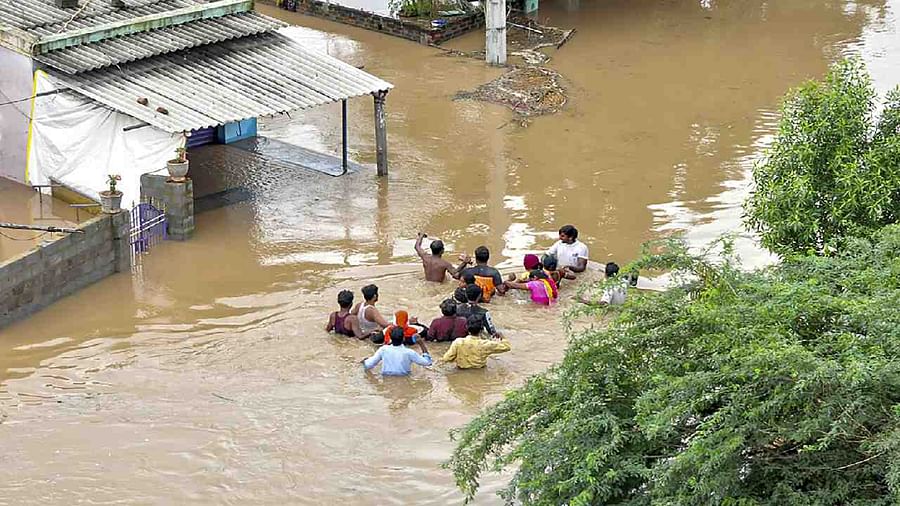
543	289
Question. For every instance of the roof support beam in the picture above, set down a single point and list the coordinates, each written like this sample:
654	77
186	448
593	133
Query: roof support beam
381	155
141	24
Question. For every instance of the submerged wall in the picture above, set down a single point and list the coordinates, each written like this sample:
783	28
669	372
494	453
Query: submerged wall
456	25
39	277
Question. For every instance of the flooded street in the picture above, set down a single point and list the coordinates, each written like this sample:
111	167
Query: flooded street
207	378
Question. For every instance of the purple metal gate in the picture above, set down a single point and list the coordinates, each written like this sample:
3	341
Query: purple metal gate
148	227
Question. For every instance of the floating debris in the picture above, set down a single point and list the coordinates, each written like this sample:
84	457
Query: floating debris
527	34
528	91
532	57
523	39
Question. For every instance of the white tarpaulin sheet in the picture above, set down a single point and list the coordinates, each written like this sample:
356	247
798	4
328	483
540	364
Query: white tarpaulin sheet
78	142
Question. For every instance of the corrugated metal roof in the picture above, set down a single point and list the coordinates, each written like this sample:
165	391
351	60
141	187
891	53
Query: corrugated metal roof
166	40
42	17
215	84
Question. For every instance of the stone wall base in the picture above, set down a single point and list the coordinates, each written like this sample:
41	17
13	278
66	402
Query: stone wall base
456	25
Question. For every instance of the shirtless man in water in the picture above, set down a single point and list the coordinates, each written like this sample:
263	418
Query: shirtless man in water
434	264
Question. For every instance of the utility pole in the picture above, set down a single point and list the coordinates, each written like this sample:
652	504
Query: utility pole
495	28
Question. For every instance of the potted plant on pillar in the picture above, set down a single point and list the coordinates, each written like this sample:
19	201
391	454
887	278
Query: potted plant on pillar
178	166
111	200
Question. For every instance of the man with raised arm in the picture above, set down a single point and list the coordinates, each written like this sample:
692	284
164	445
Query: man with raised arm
436	268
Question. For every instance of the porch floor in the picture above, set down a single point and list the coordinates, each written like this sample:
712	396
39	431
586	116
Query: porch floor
296	155
225	174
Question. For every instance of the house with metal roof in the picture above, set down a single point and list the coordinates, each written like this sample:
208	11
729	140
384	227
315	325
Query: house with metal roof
96	87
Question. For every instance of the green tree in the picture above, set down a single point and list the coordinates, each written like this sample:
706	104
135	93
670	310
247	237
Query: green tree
834	168
774	387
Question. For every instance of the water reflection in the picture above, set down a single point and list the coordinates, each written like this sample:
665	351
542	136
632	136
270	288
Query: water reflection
400	392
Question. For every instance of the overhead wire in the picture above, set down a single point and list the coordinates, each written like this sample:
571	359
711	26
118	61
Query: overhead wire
36	95
21	239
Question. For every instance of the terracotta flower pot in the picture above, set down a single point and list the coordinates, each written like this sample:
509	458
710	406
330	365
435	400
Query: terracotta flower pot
177	170
111	202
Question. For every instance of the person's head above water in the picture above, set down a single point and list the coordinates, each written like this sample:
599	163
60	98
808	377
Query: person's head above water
401	317
397	336
482	255
537	274
448	307
437	248
469	279
612	269
460	294
370	293
568	234
473	293
474	325
550	262
345	299
531	262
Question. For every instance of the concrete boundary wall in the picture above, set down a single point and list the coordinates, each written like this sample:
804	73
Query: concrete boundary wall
41	276
411	30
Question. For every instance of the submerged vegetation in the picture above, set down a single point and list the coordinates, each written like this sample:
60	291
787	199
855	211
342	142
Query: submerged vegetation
777	386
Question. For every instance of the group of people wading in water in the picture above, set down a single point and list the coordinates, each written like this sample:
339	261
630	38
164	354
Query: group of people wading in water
463	320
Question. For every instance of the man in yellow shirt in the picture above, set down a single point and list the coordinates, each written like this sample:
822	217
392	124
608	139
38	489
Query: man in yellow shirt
472	351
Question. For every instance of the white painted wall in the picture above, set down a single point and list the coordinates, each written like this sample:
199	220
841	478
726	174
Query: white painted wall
495	31
15	83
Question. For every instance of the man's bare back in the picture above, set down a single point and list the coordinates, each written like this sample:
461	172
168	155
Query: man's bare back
436	268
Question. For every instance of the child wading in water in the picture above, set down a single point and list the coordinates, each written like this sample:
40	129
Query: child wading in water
550	263
543	289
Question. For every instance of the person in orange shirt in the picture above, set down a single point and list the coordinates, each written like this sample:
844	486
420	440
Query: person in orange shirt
485	276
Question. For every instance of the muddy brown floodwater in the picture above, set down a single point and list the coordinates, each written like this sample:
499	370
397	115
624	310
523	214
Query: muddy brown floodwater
206	376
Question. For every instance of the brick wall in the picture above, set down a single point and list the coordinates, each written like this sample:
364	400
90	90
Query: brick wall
456	25
43	275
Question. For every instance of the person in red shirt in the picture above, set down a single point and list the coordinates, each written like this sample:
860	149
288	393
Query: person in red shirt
449	326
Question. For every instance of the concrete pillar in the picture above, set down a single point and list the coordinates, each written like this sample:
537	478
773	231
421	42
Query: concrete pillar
495	32
177	199
179	202
121	239
381	153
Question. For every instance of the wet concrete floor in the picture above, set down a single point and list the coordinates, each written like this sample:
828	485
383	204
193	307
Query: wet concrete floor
20	204
206	377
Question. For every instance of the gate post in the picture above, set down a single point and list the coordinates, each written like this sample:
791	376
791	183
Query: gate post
176	199
121	228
